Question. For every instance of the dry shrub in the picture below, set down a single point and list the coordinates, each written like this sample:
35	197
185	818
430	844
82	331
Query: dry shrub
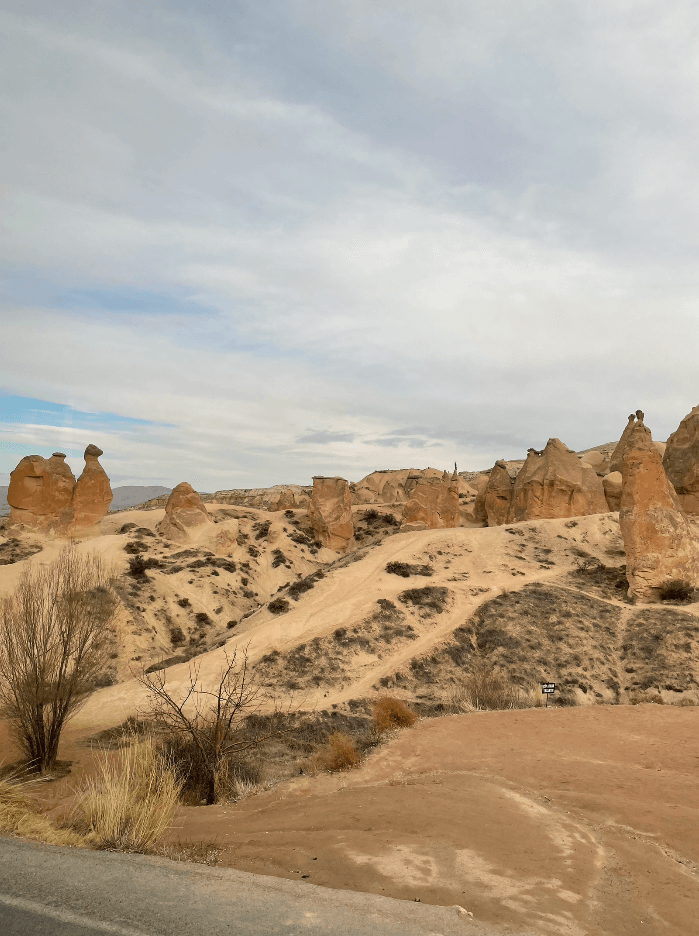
339	753
18	815
654	697
392	713
131	801
487	689
685	702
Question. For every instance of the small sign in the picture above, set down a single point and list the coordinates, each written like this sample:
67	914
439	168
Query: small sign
548	687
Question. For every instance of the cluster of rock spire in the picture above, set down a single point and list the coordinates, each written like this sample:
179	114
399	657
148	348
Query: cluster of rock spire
654	486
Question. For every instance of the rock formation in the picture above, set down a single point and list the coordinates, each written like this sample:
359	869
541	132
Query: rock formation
497	497
554	484
44	496
623	443
40	493
91	497
433	505
597	461
660	544
681	461
186	518
330	513
612	489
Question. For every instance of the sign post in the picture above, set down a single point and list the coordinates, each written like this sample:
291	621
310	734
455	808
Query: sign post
547	688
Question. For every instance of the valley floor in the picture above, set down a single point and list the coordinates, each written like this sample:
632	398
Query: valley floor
579	821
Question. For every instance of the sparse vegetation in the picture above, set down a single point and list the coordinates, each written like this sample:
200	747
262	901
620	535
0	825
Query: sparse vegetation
54	644
19	814
489	689
390	713
677	592
279	605
405	569
340	753
131	800
429	598
206	723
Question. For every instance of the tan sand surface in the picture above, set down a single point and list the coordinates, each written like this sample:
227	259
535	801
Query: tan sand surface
570	821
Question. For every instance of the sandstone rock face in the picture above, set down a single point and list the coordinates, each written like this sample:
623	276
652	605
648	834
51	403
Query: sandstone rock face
659	542
597	461
434	503
555	484
681	461
391	487
40	493
45	497
91	497
497	497
330	513
186	518
623	443
612	489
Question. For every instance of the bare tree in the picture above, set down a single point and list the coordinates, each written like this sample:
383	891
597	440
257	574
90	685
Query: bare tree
213	720
54	633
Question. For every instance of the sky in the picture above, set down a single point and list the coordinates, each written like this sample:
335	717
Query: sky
243	243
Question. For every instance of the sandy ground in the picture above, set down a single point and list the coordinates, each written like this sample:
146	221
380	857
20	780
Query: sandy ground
475	564
576	821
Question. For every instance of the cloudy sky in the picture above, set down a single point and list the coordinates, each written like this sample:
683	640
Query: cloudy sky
244	242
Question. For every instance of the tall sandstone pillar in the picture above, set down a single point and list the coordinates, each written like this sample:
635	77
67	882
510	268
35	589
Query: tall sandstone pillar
681	461
660	544
91	497
330	512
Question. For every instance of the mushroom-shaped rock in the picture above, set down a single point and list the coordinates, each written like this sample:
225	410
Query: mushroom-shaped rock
660	544
612	489
497	497
330	512
186	518
555	484
40	494
433	505
91	497
681	461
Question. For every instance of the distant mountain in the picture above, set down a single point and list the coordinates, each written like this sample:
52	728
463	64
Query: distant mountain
126	496
131	494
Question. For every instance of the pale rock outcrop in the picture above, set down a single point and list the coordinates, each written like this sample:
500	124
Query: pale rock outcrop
660	446
597	461
478	512
91	497
433	505
612	489
279	497
40	493
681	461
623	443
553	484
186	518
390	487
660	544
330	513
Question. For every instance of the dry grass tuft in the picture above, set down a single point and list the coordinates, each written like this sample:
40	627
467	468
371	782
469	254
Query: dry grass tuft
339	753
131	801
19	816
390	713
488	689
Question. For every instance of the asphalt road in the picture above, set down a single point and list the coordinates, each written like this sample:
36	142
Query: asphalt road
50	891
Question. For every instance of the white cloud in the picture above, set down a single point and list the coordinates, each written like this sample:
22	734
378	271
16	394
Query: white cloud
338	284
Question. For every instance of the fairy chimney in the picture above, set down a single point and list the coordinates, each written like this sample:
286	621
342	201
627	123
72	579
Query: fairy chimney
186	517
660	544
330	512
